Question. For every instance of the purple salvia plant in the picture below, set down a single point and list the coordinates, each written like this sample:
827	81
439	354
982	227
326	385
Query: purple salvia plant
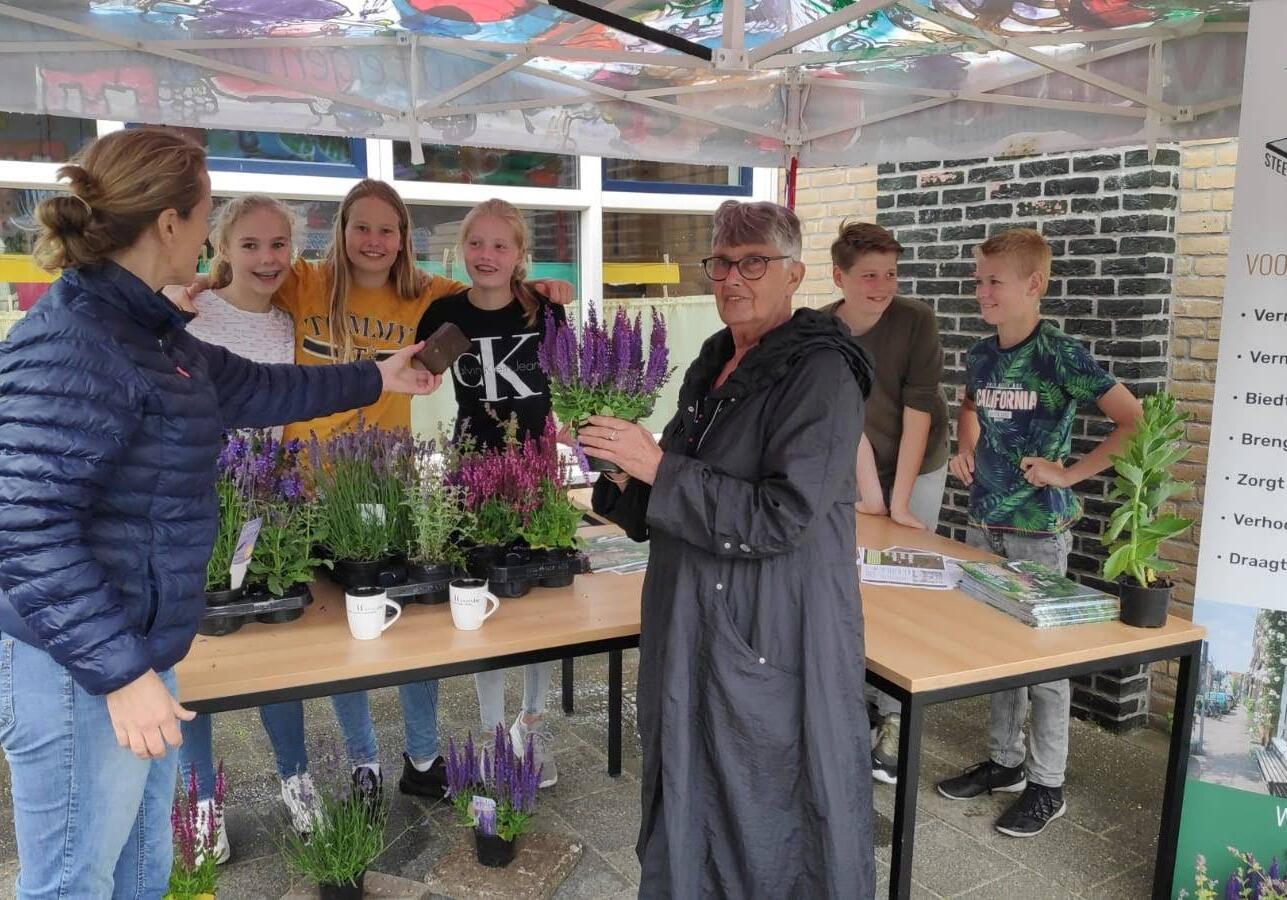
658	369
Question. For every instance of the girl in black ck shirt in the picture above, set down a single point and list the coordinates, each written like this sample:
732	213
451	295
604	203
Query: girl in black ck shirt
500	379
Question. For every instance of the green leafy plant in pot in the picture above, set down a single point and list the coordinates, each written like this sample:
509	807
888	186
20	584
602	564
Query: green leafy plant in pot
346	838
602	371
438	520
1137	528
493	789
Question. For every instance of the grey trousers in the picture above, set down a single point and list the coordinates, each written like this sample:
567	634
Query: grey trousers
1048	744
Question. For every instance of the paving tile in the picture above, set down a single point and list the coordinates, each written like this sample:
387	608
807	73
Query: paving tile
626	862
1134	882
265	878
1024	883
598	819
948	862
541	864
592	879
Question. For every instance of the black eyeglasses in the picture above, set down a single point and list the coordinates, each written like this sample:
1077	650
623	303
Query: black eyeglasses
752	268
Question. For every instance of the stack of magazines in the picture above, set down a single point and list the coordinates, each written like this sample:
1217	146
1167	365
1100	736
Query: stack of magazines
1035	595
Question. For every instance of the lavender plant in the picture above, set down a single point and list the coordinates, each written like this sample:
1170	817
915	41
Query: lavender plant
363	480
194	871
496	773
602	371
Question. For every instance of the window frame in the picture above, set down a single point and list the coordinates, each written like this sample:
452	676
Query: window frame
744	187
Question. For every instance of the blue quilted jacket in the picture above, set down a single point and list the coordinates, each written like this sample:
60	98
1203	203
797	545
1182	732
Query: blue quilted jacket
110	424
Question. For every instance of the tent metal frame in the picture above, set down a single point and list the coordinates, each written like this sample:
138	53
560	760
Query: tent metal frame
777	63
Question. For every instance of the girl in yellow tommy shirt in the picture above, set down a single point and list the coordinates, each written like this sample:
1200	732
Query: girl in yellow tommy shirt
365	300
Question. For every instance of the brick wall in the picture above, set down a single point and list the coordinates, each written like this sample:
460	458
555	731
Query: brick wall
1111	218
1202	234
825	198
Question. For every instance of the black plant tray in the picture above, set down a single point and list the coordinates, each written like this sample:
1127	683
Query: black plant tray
547	569
425	584
221	620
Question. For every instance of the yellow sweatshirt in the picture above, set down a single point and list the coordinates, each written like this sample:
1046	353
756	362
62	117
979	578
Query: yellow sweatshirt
381	322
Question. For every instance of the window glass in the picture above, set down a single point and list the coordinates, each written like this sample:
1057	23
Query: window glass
28	138
645	175
22	282
476	165
653	261
281	153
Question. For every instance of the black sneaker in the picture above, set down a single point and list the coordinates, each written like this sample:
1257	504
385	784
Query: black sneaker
431	783
1036	808
368	786
983	778
884	753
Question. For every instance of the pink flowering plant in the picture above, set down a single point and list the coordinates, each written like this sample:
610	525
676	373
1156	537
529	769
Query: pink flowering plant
194	871
519	492
498	774
602	370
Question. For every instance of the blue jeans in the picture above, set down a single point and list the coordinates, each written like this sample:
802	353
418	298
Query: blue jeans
92	819
490	686
284	723
419	717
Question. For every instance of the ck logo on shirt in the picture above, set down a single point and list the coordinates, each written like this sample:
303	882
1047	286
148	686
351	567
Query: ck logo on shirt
1000	400
491	370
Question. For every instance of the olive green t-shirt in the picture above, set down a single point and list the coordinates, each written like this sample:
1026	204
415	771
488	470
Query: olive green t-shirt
909	373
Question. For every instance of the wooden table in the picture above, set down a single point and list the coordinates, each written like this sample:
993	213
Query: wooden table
316	657
926	647
923	647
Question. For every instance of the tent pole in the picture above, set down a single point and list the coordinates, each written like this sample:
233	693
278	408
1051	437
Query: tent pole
413	102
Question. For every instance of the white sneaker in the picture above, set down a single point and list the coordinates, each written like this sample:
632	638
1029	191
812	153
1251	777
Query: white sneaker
542	748
301	799
222	852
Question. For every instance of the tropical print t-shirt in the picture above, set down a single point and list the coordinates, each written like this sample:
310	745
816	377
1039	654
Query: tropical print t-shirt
381	323
1026	397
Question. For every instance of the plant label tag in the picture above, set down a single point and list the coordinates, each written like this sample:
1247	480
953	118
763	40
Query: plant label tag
371	513
481	807
245	549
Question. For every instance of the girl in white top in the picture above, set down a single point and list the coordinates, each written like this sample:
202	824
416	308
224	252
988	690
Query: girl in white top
252	240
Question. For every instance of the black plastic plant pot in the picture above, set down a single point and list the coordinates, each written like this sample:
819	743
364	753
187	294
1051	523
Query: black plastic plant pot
479	560
220	625
223	598
601	465
345	891
1144	607
283	616
494	851
380	573
560	568
435	578
510	588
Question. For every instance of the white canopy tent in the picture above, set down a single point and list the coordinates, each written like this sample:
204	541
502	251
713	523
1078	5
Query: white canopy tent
740	82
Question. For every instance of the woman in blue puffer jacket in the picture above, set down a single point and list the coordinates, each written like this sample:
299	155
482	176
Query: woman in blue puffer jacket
110	422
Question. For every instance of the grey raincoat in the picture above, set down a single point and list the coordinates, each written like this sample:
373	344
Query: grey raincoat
756	745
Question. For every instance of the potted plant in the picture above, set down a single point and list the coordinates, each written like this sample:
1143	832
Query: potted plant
499	486
603	372
552	527
347	837
362	481
438	518
232	517
194	872
493	792
1137	529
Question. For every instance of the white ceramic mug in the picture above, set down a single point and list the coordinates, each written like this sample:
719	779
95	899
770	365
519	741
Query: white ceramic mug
469	601
365	608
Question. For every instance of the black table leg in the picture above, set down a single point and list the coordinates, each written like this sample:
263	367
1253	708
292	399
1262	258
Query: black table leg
614	712
909	767
567	685
1186	685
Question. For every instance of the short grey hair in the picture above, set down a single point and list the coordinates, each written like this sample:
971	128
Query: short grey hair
739	223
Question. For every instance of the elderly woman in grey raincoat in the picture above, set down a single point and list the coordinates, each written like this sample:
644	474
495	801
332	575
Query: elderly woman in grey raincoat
756	745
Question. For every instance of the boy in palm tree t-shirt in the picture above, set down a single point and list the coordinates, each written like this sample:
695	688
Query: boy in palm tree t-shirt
1023	389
